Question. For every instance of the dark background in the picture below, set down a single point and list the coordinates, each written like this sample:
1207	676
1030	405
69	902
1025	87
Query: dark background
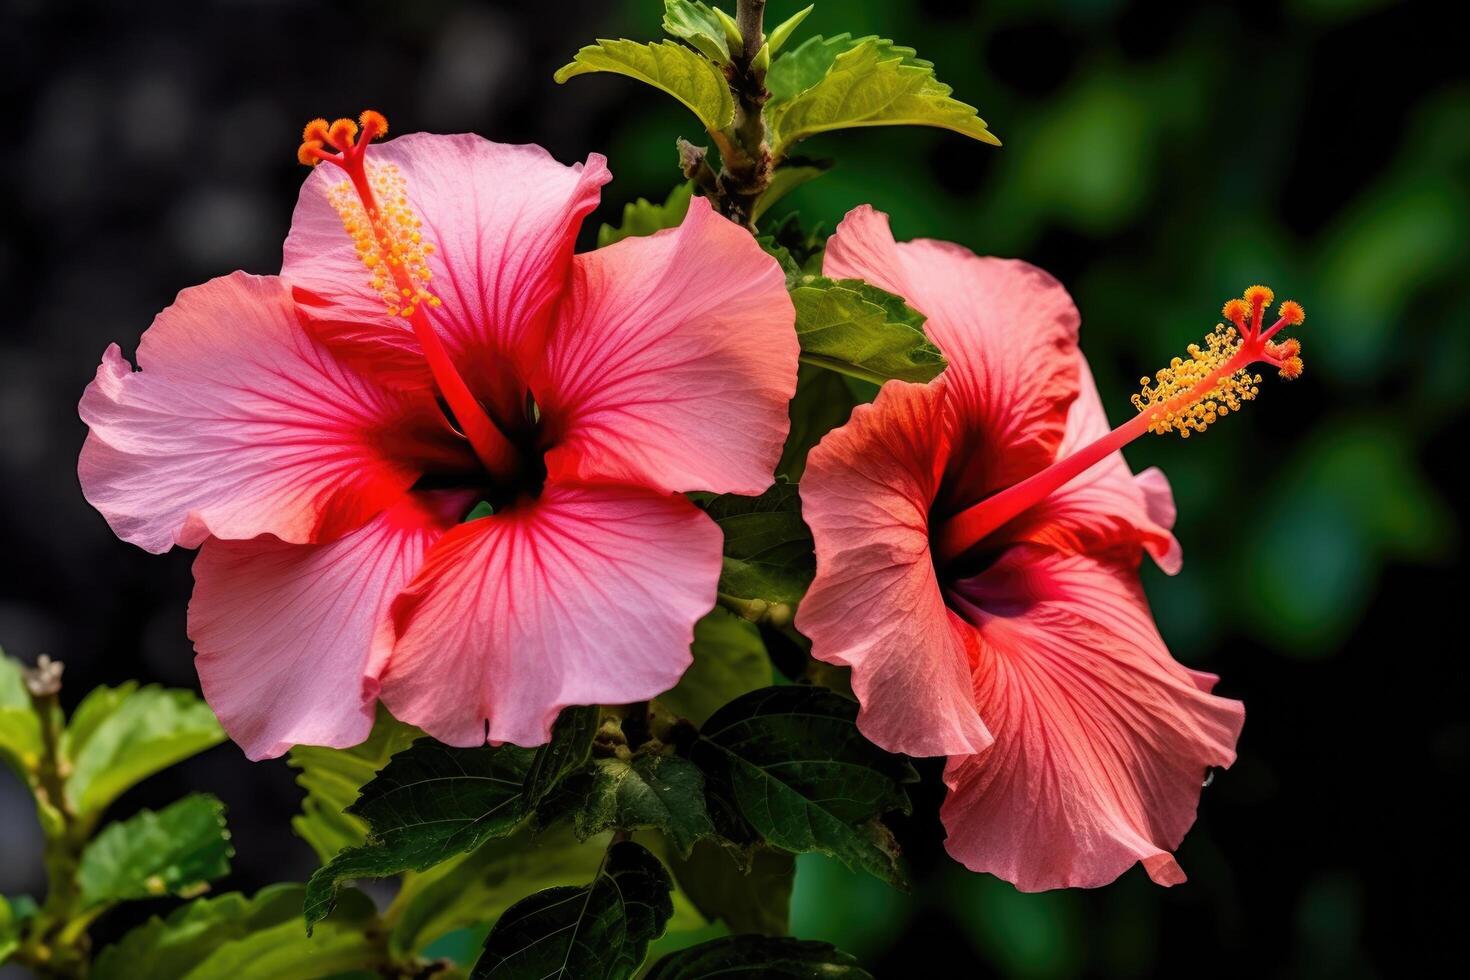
1158	157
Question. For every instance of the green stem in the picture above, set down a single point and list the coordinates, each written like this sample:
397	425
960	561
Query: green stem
745	156
57	944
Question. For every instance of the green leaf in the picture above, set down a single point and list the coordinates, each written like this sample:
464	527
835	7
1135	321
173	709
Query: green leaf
756	898
644	217
729	660
823	402
768	549
20	728
791	762
873	83
428	804
332	779
806	65
127	735
657	792
857	329
698	25
756	958
693	80
782	32
9	930
476	888
237	938
176	851
599	931
787	178
566	752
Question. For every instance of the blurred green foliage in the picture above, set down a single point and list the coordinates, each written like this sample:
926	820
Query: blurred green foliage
1159	158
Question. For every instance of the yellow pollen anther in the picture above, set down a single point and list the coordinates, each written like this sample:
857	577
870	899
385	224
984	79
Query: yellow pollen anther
1259	294
387	241
1226	395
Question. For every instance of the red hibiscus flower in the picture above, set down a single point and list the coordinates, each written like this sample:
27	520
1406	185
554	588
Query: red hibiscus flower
977	548
431	344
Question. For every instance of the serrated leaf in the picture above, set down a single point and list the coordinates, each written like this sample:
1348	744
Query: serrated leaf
768	549
686	75
332	779
874	83
787	178
20	728
695	23
648	792
476	888
127	738
566	752
599	931
644	217
176	851
755	898
809	62
791	762
756	958
237	938
429	803
729	660
857	329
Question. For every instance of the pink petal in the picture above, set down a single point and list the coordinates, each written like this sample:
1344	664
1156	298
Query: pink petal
875	604
1106	508
587	595
289	637
503	220
672	362
1102	740
1008	329
385	352
239	424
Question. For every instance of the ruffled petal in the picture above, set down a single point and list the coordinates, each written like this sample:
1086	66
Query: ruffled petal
1107	508
289	637
587	595
1008	329
672	362
1102	740
875	604
502	219
239	424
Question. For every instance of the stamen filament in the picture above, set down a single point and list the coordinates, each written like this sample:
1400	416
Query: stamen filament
494	450
968	528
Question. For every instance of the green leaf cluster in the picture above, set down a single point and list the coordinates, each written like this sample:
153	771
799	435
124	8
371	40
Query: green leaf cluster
75	768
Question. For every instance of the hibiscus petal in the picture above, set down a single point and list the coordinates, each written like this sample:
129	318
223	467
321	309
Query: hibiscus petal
290	637
1107	507
502	218
587	595
1102	740
875	604
239	424
1008	329
672	362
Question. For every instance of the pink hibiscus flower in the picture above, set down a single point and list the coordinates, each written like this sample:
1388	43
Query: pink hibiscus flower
977	547
433	342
